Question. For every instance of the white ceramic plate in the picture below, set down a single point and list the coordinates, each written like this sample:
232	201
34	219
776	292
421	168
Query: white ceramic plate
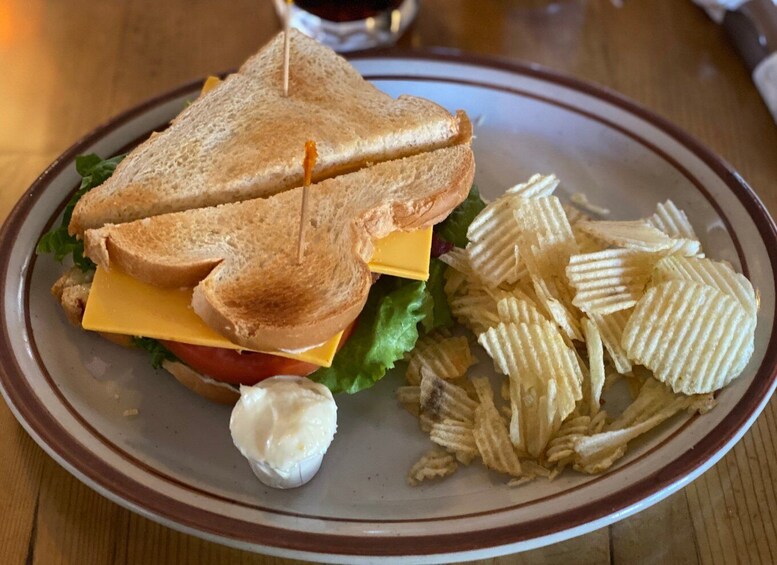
174	462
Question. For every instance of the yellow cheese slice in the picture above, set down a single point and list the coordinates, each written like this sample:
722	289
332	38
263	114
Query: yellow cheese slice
403	254
210	83
122	305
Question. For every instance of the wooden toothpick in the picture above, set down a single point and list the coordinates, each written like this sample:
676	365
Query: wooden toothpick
286	47
307	164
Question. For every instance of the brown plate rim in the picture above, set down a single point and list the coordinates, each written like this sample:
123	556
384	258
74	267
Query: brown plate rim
168	509
619	470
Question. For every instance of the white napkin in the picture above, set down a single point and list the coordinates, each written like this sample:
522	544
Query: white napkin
765	78
765	74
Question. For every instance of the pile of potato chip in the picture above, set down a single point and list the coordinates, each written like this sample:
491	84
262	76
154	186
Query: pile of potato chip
565	306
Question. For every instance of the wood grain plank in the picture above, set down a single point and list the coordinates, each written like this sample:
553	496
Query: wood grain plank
151	543
22	466
732	505
162	49
56	71
18	171
71	64
765	450
753	491
75	524
590	549
710	544
634	539
734	498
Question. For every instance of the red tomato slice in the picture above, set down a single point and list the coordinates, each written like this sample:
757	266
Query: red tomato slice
247	368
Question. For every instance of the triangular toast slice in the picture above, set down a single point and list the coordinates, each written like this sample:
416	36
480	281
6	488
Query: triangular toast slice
244	139
242	256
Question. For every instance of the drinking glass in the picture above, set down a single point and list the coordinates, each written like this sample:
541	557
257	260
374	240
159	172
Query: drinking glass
350	25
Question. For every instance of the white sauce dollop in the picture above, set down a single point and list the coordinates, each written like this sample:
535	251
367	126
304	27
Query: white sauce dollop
283	426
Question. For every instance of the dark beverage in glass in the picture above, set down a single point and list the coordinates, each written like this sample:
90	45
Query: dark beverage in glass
349	25
347	10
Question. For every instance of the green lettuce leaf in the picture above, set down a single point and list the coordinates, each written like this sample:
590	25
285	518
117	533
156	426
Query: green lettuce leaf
158	352
437	313
454	228
387	328
94	171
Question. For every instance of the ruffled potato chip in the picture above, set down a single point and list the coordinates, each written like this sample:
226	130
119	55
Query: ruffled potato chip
543	223
545	217
595	380
476	310
456	283
538	276
545	380
444	356
652	397
575	215
410	398
493	236
550	286
490	431
518	311
610	280
457	437
692	336
580	199
611	327
559	311
458	260
631	234
440	399
684	247
587	243
672	221
536	187
711	273
655	403
434	464
560	450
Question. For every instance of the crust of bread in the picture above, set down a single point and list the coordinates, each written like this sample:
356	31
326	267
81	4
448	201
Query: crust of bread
244	139
222	393
254	292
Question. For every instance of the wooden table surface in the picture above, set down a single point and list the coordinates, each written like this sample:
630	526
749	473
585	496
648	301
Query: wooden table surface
68	65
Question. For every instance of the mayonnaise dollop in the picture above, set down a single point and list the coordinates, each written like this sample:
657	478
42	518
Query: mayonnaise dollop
283	426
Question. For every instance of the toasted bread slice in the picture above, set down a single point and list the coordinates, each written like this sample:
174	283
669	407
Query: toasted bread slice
242	256
244	139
